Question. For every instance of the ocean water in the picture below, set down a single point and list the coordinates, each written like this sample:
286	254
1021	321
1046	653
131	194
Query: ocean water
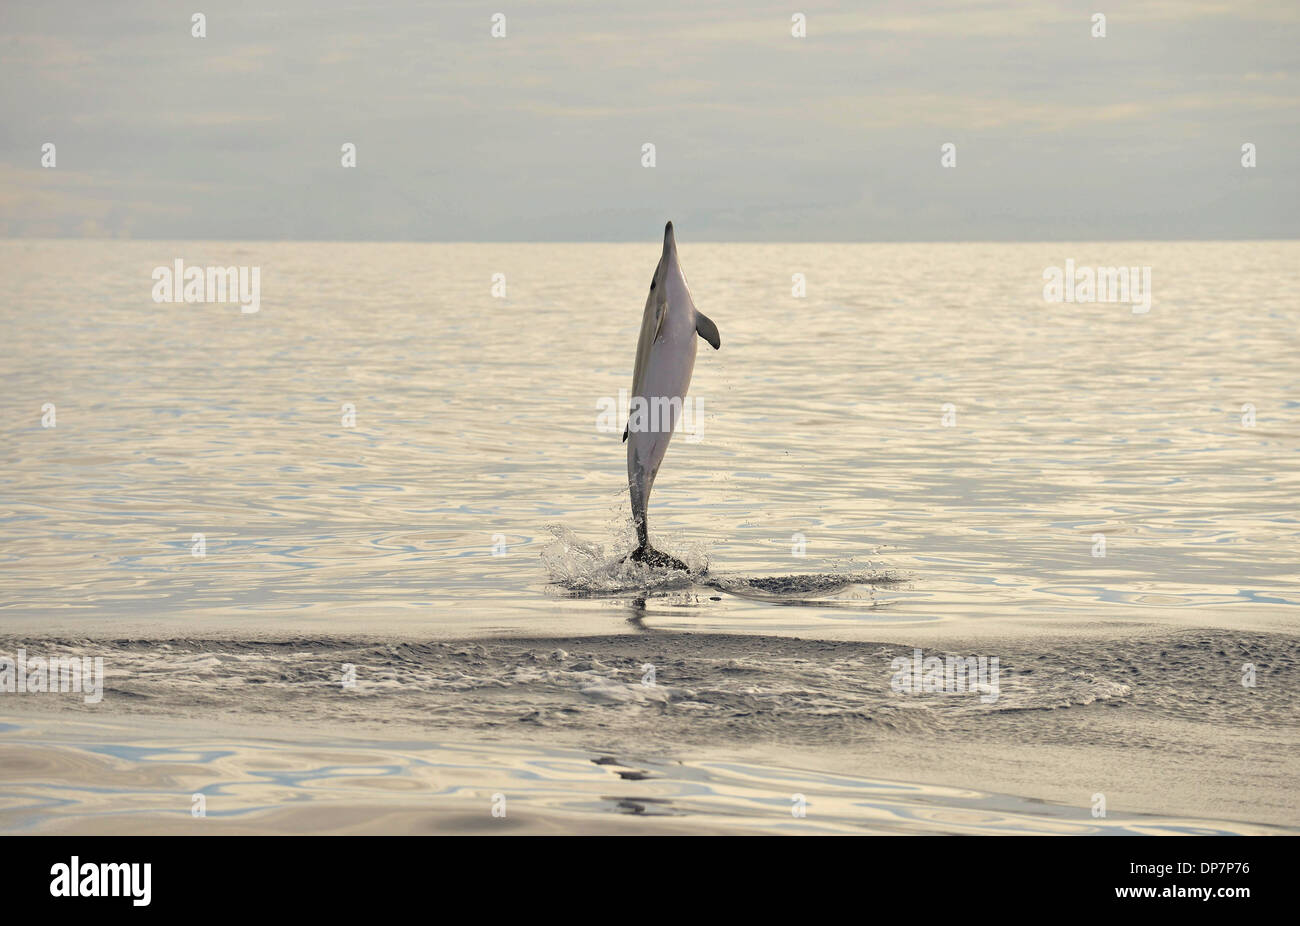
921	452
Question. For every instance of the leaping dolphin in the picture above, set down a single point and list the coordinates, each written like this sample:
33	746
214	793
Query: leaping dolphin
665	359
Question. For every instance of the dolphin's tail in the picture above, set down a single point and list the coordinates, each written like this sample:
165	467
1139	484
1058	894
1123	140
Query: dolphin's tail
644	553
652	557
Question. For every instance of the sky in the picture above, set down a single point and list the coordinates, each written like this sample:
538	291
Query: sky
758	135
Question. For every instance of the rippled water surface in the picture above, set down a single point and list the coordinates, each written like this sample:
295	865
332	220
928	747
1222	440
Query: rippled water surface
144	785
921	451
476	428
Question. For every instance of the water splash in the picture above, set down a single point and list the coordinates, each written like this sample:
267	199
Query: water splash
584	568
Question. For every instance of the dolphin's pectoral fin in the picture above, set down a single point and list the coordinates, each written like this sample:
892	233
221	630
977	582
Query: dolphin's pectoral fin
652	557
707	330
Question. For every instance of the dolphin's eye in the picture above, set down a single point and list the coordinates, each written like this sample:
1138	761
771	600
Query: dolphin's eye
652	286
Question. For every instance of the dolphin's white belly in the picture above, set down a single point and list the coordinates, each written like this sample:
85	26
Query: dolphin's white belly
665	384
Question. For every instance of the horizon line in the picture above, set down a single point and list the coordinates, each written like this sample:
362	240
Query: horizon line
655	240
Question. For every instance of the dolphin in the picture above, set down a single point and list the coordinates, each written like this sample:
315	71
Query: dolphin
665	359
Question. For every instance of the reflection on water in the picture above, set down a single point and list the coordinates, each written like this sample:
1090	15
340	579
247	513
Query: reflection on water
49	786
476	426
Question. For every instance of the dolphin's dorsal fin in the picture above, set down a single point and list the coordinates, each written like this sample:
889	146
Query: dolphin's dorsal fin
707	330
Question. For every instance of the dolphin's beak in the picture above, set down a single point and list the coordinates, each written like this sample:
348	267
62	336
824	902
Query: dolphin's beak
670	243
